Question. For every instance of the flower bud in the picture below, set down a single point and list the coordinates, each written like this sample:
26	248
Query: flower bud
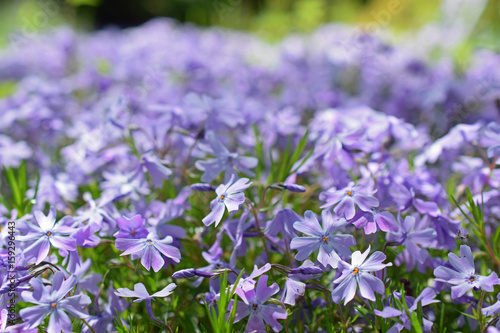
203	187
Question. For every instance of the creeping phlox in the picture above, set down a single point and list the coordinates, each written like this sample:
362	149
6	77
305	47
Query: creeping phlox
251	187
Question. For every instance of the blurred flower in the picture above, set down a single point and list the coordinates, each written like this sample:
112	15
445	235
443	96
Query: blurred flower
224	161
346	199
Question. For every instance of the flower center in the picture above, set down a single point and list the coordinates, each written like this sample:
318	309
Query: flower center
132	232
472	278
53	305
222	197
349	193
255	306
48	233
355	271
325	239
149	241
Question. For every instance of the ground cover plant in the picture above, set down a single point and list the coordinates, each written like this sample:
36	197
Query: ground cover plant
176	179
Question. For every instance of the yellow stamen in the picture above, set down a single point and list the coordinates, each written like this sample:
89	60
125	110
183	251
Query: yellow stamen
255	306
349	193
472	279
132	232
53	304
355	271
222	197
48	233
325	239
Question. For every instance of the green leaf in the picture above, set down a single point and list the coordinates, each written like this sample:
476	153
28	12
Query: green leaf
415	323
14	186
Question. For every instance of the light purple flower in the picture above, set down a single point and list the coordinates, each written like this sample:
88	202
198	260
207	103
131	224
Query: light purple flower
141	293
224	161
229	195
358	273
51	301
415	242
426	297
150	250
463	276
155	168
374	221
46	233
493	309
322	238
12	153
347	198
254	306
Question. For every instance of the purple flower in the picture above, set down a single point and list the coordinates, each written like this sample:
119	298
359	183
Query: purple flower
322	238
415	242
51	301
463	276
253	305
141	293
12	153
229	195
150	250
95	213
346	199
493	309
289	187
156	169
131	227
293	289
46	233
426	297
358	273
224	161
192	272
203	187
283	223
374	221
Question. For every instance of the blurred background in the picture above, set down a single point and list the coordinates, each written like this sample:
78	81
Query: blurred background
271	19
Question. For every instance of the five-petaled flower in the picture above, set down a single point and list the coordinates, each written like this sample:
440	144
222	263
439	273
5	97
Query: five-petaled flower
52	301
46	233
253	305
346	199
322	238
229	195
463	276
359	273
150	250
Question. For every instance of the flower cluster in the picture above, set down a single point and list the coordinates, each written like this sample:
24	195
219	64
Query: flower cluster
268	187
